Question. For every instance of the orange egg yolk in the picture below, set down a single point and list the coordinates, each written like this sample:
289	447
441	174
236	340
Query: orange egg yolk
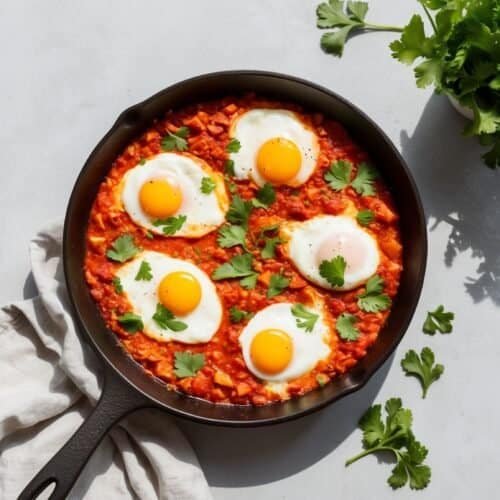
179	292
271	351
159	198
279	160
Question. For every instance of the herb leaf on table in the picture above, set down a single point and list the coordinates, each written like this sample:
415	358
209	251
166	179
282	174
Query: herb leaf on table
395	436
438	320
422	367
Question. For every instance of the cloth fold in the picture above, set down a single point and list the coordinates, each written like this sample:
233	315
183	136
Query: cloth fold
49	382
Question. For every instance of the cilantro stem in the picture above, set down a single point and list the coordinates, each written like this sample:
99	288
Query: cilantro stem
383	447
370	451
382	27
431	20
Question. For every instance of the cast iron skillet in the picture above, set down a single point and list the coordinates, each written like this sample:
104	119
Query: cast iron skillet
125	386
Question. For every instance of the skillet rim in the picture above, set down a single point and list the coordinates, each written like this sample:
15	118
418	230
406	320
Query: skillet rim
86	335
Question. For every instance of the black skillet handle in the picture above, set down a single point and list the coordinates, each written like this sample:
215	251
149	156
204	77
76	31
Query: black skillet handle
116	401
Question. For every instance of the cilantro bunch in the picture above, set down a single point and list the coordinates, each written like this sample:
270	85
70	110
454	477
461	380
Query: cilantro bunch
395	436
460	57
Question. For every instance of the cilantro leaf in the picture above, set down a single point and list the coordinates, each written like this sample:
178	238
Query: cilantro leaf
269	250
249	282
338	175
207	185
117	283
266	196
395	436
188	364
372	299
131	322
233	146
333	270
422	367
171	225
239	211
165	319
365	217
240	266
352	18
229	168
357	9
238	315
176	141
231	236
438	320
363	182
412	43
322	379
333	42
123	249
304	318
144	273
277	283
346	326
331	15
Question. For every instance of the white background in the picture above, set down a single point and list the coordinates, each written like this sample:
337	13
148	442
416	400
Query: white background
69	68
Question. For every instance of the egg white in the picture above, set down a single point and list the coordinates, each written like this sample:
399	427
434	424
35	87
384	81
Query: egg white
303	240
257	126
204	212
202	323
308	347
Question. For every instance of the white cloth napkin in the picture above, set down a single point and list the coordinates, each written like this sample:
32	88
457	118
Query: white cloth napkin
48	383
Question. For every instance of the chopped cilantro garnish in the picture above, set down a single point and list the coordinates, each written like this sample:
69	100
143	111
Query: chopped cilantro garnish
365	217
117	283
238	315
144	273
372	299
266	196
170	225
240	266
346	326
188	364
207	185
338	175
165	319
123	249
131	322
231	236
363	182
239	211
229	168
233	146
277	283
333	270
176	140
269	250
304	318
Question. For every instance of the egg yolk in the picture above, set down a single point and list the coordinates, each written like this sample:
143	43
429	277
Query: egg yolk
179	292
271	351
279	160
159	198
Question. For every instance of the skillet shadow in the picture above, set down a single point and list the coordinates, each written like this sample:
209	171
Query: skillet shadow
459	190
234	458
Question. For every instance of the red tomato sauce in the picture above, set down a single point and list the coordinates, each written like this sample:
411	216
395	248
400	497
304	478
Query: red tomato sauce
225	377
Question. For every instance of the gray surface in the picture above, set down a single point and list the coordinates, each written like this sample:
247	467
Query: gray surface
68	70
